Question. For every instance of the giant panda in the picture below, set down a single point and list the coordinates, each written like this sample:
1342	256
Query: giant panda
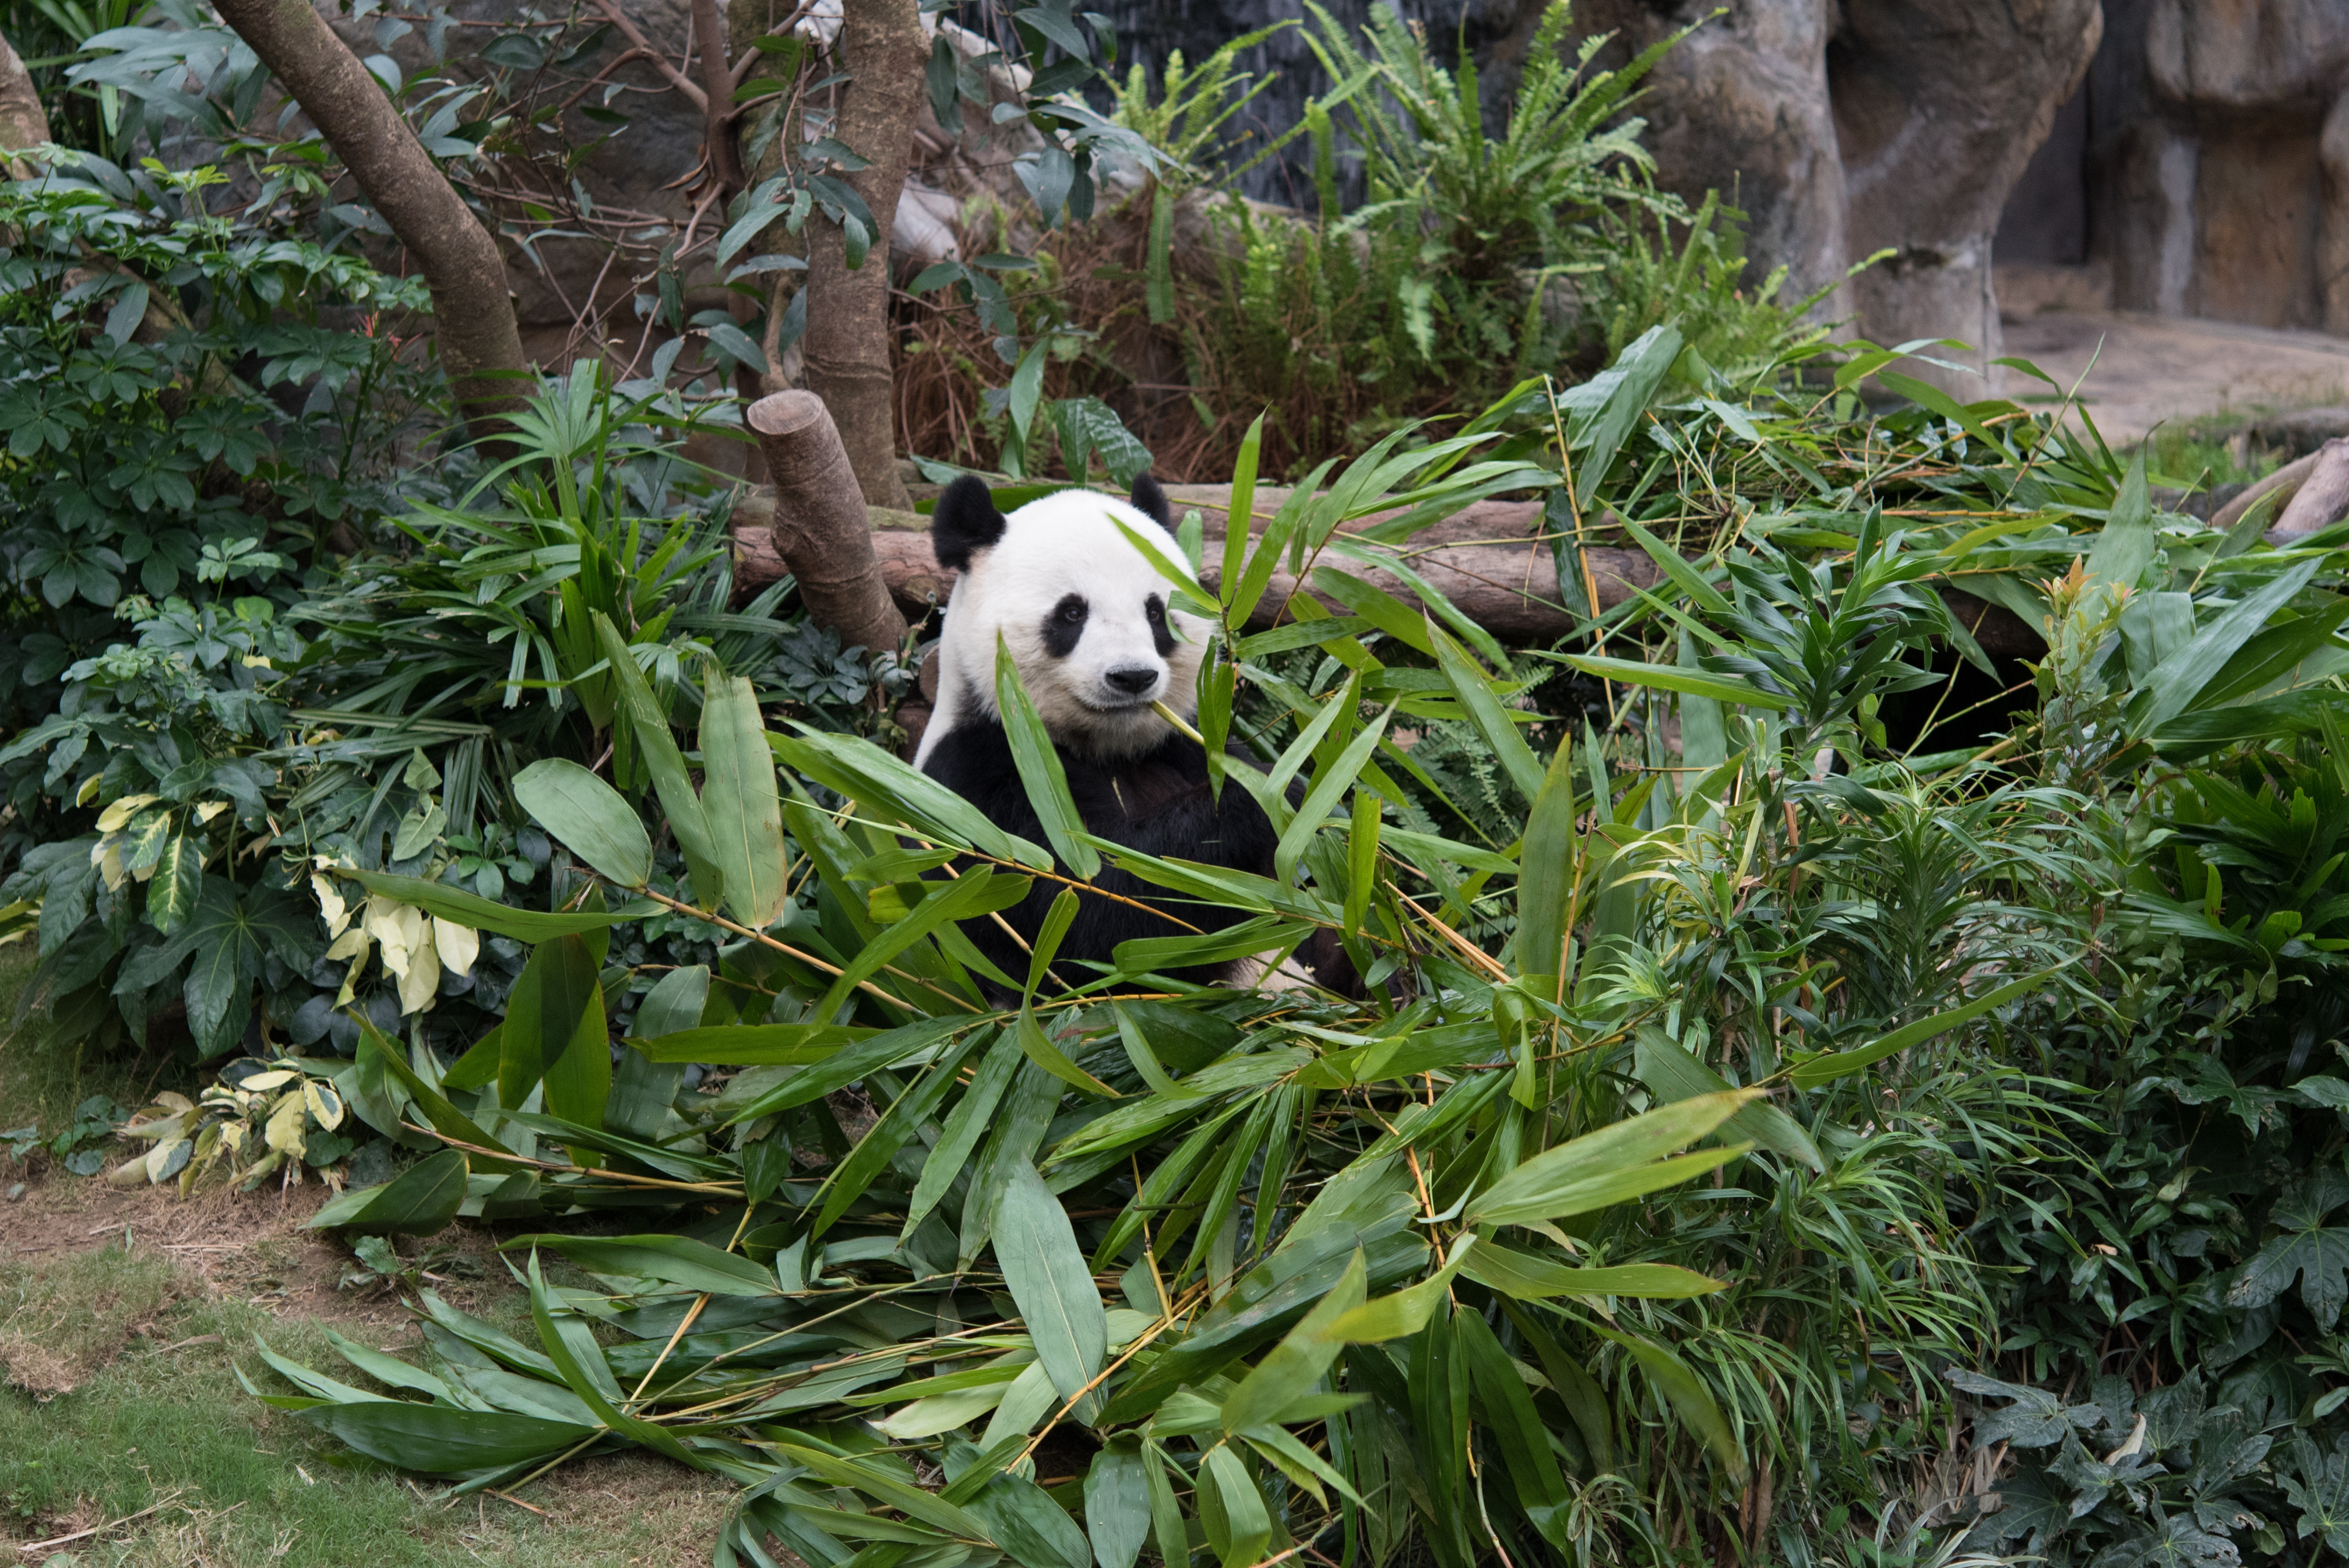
1091	630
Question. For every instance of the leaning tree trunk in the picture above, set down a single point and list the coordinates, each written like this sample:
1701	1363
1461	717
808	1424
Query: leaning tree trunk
847	344
472	313
23	122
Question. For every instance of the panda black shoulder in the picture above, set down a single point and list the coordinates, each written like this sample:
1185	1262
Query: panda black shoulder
973	759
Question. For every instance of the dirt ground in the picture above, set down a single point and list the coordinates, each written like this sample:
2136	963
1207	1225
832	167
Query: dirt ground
251	1247
144	1272
2135	372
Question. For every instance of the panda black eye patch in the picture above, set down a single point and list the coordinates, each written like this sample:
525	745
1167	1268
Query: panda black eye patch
1064	625
1162	636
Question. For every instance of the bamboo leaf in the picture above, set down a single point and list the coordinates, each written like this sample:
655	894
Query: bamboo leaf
1486	712
1609	1165
418	1202
444	902
740	799
1044	1270
1039	760
678	1261
1842	1064
648	728
1679	678
1671	1074
589	816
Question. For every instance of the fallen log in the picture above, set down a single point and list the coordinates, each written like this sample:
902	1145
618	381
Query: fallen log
2286	480
1487	557
2322	496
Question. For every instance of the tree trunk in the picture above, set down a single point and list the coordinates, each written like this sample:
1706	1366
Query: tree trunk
472	313
847	344
23	122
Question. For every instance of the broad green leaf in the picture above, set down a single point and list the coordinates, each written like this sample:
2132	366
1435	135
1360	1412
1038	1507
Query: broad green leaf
1377	606
444	902
975	894
1048	937
2304	1246
749	1045
1609	1165
1137	1051
1039	761
420	1200
901	1124
1264	558
1117	1504
1686	1393
2125	547
1549	858
1239	513
1486	712
1407	1310
1330	786
649	729
1671	1074
589	816
739	799
1519	1432
1144	954
1023	1518
886	1486
2179	678
839	1070
1183	588
1166	1521
1674	565
965	1125
1039	1048
675	1003
1529	1278
546	1014
679	1261
1228	1497
864	772
1294	1368
375	1051
579	1362
1679	678
1604	411
1928	396
437	1439
1842	1064
1044	1270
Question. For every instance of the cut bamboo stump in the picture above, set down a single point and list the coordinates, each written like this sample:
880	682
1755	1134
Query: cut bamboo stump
816	527
1486	558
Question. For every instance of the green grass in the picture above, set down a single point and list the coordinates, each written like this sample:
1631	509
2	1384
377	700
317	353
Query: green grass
2206	451
154	1417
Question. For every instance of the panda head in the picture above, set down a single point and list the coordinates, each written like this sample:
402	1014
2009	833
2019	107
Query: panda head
1088	618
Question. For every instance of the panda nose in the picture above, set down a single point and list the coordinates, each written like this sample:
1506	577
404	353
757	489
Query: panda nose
1134	681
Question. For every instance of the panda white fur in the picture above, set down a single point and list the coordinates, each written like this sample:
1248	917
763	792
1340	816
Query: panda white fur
1090	627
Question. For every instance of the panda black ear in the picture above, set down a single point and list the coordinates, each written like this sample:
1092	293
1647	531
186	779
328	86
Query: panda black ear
964	521
1150	500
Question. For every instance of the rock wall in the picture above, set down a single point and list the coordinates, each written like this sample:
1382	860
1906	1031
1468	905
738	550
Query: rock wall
2205	170
1841	127
1845	128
